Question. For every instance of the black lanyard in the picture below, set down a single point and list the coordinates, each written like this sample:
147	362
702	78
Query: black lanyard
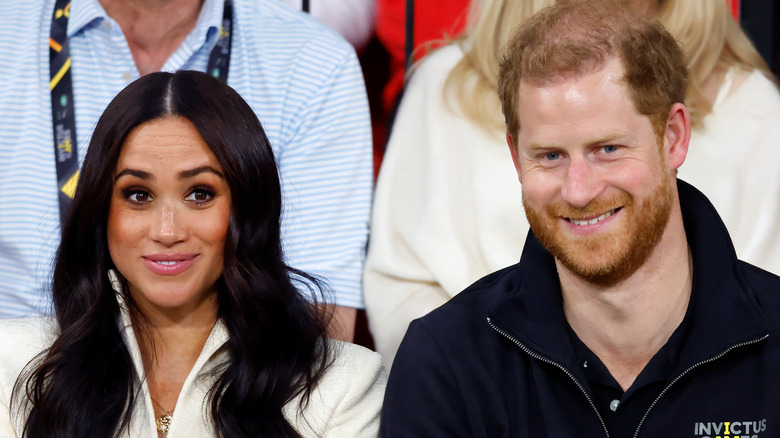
61	86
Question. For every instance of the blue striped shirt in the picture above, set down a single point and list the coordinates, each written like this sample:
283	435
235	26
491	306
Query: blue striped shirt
302	79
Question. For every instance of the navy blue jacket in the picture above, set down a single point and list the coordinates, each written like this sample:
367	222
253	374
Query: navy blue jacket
498	360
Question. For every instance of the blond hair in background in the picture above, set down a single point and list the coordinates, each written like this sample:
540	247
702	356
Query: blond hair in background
712	39
713	42
472	85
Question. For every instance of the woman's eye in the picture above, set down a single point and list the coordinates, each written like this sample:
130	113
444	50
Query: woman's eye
200	196
552	156
138	196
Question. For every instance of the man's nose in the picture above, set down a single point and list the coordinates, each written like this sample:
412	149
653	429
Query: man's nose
582	183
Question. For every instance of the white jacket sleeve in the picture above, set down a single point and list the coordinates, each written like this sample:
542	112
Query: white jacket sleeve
348	400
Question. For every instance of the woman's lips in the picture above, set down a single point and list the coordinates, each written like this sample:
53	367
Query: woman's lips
169	264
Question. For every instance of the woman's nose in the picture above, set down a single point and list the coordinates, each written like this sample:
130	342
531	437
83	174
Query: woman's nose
168	228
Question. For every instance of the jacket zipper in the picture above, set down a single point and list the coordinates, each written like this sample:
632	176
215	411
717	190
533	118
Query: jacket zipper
556	364
680	376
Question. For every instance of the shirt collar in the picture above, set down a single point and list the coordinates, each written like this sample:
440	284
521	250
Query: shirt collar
85	12
208	26
82	13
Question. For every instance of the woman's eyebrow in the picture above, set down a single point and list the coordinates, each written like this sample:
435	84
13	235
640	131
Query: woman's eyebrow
182	175
192	172
133	172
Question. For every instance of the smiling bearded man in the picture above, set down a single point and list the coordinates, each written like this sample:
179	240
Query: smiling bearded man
628	313
609	258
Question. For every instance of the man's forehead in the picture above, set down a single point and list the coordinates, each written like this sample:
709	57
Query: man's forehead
598	106
612	69
606	86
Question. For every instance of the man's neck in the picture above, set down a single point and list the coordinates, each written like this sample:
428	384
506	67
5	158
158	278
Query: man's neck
154	29
625	325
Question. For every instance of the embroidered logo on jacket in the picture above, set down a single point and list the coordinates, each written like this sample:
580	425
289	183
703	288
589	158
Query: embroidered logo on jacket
729	429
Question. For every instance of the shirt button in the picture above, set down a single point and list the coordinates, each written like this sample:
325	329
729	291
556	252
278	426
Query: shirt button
127	77
613	405
106	25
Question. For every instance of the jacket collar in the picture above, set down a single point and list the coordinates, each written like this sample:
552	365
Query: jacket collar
724	312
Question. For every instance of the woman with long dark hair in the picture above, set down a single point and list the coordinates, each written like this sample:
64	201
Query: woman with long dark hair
175	313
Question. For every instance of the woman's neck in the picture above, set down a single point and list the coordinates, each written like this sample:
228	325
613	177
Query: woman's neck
169	351
154	29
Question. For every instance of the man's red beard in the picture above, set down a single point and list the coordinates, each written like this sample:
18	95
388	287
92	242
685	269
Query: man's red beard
606	258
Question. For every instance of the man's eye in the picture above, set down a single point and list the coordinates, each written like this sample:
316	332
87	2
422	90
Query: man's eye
609	148
552	156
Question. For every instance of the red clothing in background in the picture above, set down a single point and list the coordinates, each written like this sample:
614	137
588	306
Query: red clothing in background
433	20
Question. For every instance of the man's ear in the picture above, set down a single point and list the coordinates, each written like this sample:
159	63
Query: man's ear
513	152
677	135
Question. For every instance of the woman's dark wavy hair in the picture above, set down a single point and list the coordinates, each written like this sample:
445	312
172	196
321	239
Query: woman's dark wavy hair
83	385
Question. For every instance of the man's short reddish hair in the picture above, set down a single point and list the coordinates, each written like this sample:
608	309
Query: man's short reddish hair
576	37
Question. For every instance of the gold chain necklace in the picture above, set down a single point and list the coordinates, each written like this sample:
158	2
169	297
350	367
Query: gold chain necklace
163	421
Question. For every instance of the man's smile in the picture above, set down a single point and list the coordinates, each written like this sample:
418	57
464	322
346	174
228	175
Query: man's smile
593	220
